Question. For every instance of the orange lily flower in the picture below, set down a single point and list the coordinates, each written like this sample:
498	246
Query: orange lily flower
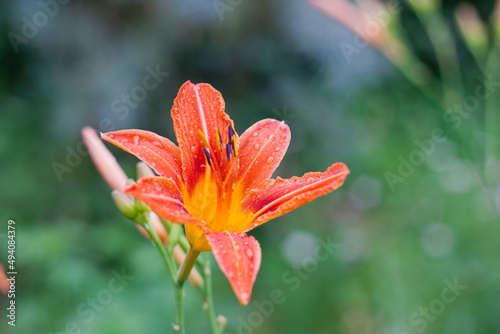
218	184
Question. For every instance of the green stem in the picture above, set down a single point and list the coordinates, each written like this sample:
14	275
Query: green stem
169	261
187	265
168	257
207	278
179	302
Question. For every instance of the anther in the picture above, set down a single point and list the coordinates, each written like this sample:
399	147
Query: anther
228	151
207	155
218	140
231	133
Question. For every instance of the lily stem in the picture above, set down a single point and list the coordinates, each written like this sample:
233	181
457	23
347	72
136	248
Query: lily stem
187	265
179	303
207	278
168	257
156	240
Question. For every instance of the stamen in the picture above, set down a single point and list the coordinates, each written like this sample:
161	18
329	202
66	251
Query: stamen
233	145
203	138
207	155
228	151
231	133
219	140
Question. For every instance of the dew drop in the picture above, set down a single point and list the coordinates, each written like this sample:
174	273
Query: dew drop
203	166
283	127
111	136
155	143
272	136
270	159
249	252
124	141
241	235
310	179
153	164
158	189
255	133
191	133
277	148
136	140
193	149
256	146
283	135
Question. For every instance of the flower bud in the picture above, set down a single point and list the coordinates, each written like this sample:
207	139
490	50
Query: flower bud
221	320
125	204
143	170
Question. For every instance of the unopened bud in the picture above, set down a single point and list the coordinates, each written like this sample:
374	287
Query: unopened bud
221	320
143	170
124	204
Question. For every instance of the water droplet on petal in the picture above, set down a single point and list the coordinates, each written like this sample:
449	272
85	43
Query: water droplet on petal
153	164
124	141
310	179
255	133
136	140
111	136
191	133
249	252
193	149
270	159
256	146
283	127
272	136
283	135
241	235
277	148
155	143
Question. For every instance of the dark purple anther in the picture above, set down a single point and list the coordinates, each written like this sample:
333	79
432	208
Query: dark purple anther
228	151
207	155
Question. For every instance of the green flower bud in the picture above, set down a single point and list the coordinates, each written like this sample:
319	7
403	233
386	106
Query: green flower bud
125	204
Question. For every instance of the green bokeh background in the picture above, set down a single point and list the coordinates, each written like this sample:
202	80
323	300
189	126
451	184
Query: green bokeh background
395	247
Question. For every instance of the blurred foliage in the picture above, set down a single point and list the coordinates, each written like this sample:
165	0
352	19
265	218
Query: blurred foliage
274	59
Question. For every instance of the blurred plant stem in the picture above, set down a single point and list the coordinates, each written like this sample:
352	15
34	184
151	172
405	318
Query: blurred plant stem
168	257
179	277
443	43
492	166
217	328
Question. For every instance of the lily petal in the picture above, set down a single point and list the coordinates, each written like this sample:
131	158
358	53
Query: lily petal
238	256
163	197
158	152
274	198
198	114
262	146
